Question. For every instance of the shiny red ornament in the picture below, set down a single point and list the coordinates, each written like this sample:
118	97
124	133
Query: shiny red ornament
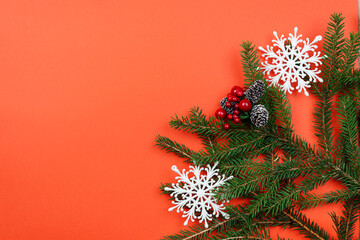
240	93
227	104
226	126
235	89
220	113
245	105
236	112
236	120
230	116
233	99
236	105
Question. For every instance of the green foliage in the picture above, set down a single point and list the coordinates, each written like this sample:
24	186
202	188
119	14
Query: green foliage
274	168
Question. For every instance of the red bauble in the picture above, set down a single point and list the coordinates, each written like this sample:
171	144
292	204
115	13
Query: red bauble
236	112
240	93
220	113
226	126
235	89
236	105
228	104
236	120
233	99
245	105
230	116
229	95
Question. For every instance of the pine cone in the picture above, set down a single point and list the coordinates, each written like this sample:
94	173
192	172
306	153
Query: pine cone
229	110
255	91
259	115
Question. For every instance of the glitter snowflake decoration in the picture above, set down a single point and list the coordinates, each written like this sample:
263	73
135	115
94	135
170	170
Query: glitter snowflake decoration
292	60
194	195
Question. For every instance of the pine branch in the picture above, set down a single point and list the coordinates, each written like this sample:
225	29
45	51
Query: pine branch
197	123
345	225
281	107
260	201
332	48
251	63
323	128
306	226
179	150
283	199
349	136
315	200
350	54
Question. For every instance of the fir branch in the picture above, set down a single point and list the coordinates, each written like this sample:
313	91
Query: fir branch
350	54
348	121
315	200
243	185
260	201
196	123
332	49
238	145
315	180
307	227
283	199
322	123
294	168
251	63
281	107
345	225
351	213
179	150
345	176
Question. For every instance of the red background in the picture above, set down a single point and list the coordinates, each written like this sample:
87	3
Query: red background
86	86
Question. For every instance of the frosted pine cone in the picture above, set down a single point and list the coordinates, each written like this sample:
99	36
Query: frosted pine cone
255	91
259	115
229	110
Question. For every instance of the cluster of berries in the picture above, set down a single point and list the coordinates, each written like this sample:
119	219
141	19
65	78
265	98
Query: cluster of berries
233	105
239	104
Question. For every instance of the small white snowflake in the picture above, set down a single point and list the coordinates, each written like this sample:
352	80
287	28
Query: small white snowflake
292	60
196	193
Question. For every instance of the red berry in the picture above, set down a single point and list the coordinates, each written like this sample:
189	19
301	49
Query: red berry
236	112
226	126
227	104
230	116
245	105
232	98
240	93
235	89
236	105
229	95
220	113
236	120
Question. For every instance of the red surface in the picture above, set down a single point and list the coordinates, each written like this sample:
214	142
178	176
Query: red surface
86	86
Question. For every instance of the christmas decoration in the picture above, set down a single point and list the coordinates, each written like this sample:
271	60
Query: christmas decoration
220	113
194	196
240	101
245	105
227	108
266	161
292	61
259	115
255	91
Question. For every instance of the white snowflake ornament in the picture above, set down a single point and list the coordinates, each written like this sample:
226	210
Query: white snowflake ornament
195	193
292	60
